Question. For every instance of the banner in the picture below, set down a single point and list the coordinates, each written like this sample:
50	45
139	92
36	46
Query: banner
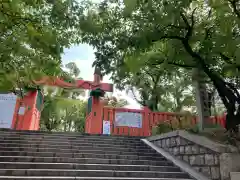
7	107
128	119
106	127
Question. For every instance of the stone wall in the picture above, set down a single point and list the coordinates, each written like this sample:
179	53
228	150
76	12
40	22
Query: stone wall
203	155
202	159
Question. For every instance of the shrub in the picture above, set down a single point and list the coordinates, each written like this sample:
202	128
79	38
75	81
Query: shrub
163	127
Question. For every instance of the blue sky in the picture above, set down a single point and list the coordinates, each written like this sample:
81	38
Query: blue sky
83	56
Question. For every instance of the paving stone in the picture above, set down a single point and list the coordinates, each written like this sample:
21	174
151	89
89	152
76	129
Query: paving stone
197	160
188	149
163	143
168	142
203	150
178	141
176	150
206	171
216	160
209	159
186	158
173	141
215	172
181	150
195	149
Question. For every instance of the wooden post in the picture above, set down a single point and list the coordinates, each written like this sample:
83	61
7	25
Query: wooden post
146	122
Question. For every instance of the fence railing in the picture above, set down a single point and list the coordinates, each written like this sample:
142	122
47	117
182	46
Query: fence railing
109	114
143	121
151	119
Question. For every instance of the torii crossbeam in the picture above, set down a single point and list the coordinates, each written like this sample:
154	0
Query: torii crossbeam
78	84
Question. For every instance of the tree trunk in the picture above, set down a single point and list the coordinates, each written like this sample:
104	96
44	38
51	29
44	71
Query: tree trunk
227	92
230	97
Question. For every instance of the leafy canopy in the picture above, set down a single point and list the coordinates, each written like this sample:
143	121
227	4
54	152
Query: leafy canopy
32	36
184	33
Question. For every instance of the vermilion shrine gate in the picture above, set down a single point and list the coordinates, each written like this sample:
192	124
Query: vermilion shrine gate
25	113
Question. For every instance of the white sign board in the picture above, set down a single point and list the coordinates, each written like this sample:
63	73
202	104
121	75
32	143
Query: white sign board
7	107
106	127
128	119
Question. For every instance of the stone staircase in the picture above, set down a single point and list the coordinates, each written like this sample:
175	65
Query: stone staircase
68	156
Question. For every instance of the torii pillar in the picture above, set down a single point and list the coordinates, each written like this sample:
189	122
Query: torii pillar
93	124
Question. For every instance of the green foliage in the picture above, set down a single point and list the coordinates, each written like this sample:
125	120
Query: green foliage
97	93
138	36
74	70
162	128
33	35
180	122
115	102
61	114
62	110
194	129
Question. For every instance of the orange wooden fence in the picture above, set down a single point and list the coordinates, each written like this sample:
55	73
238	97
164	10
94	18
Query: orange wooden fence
149	120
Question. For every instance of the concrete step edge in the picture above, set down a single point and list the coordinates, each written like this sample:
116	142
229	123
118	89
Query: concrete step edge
74	155
95	147
128	165
95	170
66	134
120	150
66	143
74	145
110	141
88	178
83	153
67	140
82	158
114	153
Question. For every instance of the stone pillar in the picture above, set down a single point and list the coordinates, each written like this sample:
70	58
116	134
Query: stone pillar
201	99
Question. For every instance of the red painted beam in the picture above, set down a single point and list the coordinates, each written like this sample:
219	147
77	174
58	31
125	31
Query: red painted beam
90	85
81	84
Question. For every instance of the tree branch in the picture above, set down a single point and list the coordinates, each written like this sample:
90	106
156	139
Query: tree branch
225	58
188	26
186	66
234	6
171	37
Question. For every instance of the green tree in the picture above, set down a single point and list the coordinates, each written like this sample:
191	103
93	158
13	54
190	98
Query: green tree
71	74
61	114
62	110
32	36
116	102
189	34
49	120
178	92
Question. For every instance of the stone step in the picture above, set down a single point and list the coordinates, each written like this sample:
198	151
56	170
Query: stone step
32	165
83	178
66	145
84	155
84	160
62	133
67	135
73	147
77	150
91	173
78	141
70	140
92	151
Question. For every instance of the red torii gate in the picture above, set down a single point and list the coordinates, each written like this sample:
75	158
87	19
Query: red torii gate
30	119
